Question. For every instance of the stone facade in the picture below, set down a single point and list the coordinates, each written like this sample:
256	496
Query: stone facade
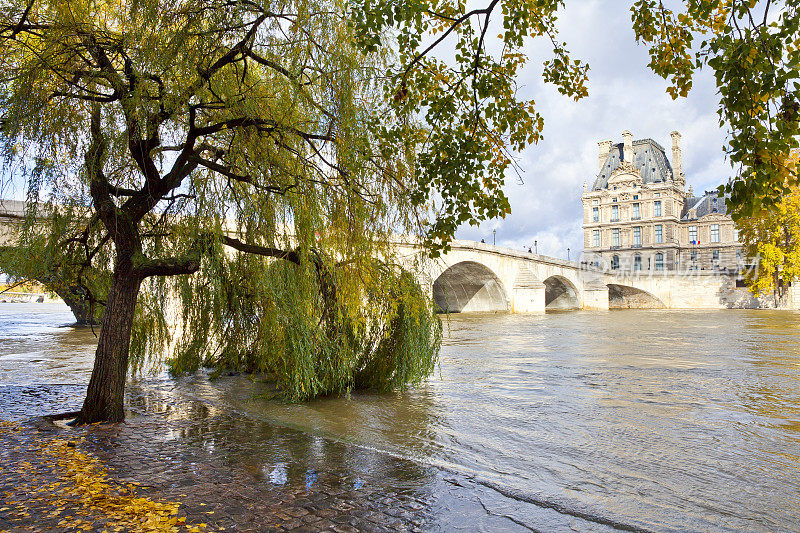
639	216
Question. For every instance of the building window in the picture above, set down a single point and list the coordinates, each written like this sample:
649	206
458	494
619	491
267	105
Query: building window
596	238
714	232
735	235
659	234
595	214
657	208
637	236
715	255
657	195
659	261
637	262
693	255
614	213
635	215
693	235
635	196
613	199
595	201
614	262
615	237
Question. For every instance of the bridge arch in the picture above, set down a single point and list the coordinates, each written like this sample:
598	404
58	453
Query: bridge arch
469	286
626	297
560	294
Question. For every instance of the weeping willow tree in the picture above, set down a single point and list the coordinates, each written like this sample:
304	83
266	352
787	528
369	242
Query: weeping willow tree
211	164
237	167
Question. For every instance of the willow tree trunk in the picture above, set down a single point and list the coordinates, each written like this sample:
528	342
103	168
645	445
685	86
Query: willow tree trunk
80	307
104	398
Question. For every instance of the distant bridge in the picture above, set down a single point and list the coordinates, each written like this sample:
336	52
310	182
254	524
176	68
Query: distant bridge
478	277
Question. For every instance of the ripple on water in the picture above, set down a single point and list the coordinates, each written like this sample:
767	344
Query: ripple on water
667	421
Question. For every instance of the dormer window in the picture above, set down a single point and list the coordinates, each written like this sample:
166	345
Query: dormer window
613	199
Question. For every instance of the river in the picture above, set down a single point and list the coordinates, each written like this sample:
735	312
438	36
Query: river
644	419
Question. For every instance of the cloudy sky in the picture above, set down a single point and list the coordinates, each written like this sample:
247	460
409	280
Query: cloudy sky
623	94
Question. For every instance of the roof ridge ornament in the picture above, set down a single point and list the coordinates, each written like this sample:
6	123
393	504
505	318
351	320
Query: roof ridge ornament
627	167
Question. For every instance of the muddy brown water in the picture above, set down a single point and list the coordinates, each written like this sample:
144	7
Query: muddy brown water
647	419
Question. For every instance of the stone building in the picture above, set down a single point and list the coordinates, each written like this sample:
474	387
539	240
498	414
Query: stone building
638	215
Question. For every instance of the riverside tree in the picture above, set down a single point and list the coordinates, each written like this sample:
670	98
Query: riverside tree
229	140
753	48
246	162
772	237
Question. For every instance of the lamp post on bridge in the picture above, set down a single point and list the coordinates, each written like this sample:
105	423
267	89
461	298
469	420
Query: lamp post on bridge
567	254
536	247
494	237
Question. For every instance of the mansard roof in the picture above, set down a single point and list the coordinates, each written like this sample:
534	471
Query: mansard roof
648	156
704	205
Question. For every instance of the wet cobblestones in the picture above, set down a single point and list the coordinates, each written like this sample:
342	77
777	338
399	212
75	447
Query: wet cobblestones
239	474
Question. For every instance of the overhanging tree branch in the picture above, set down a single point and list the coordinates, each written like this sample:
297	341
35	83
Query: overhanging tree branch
265	251
173	266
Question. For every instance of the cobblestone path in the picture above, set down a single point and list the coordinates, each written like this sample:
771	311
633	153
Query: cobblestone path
238	474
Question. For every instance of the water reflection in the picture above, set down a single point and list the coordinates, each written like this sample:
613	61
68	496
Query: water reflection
269	452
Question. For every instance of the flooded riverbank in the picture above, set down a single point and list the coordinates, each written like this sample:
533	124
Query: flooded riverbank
643	420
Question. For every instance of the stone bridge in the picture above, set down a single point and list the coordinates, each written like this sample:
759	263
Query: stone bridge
478	277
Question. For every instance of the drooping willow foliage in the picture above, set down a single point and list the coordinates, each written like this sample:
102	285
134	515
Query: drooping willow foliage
41	253
221	162
312	329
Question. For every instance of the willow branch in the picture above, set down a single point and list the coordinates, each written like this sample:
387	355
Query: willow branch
289	255
172	266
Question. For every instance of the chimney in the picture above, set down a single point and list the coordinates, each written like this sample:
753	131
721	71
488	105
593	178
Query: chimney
627	146
677	161
604	150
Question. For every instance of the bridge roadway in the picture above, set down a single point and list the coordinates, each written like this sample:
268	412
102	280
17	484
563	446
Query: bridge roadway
478	277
